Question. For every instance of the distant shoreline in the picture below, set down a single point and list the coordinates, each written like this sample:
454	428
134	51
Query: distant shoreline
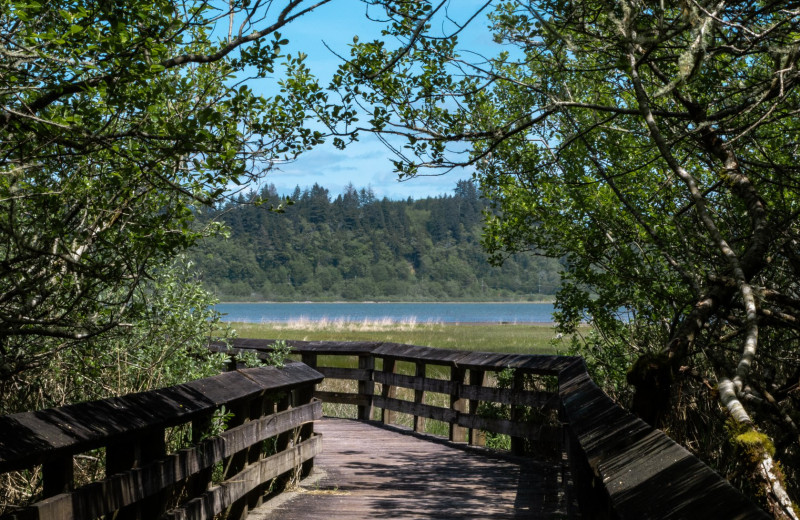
548	302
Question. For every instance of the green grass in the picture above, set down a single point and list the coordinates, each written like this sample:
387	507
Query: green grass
493	337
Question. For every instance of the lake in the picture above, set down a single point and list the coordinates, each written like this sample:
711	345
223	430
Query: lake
394	312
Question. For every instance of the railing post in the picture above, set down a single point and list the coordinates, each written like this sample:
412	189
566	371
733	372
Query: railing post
57	476
282	442
309	358
201	481
419	396
457	404
304	395
146	448
388	391
153	447
476	378
242	413
366	388
259	408
518	413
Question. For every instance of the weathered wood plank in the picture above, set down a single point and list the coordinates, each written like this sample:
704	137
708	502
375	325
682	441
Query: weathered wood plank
473	392
538	364
462	419
424	410
536	399
504	426
342	398
357	374
426	384
414	353
373	471
322	347
528	363
128	487
644	472
219	498
31	438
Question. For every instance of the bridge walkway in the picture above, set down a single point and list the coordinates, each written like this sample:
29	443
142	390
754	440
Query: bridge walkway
368	470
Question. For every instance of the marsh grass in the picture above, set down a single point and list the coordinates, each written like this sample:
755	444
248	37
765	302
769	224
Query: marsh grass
342	325
509	338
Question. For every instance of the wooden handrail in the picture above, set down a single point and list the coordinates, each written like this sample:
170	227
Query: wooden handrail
621	467
142	480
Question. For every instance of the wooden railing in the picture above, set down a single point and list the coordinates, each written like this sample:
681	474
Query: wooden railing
619	466
268	437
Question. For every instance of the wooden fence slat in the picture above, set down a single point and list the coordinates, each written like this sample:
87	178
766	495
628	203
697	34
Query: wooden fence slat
220	497
414	353
546	400
342	398
474	392
357	374
352	348
441	386
642	472
128	487
504	426
31	438
424	410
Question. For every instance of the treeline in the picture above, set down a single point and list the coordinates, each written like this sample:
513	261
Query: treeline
357	247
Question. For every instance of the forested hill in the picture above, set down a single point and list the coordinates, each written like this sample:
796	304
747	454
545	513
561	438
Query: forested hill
356	247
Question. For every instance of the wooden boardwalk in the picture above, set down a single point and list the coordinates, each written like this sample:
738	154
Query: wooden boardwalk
367	470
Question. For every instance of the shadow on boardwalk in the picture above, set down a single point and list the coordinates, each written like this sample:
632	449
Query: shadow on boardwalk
368	470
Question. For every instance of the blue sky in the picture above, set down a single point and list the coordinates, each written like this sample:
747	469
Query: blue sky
367	162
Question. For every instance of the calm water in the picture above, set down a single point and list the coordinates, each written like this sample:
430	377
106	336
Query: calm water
419	312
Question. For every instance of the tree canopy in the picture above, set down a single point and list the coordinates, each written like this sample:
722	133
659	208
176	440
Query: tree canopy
117	119
655	147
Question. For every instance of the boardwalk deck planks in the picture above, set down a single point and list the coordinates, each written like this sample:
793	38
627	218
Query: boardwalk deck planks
372	471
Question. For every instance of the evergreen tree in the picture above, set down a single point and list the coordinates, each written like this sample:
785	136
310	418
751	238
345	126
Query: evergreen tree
359	247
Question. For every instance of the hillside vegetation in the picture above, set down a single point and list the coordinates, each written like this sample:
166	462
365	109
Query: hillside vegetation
357	247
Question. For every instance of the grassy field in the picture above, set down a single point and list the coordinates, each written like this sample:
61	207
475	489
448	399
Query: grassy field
492	337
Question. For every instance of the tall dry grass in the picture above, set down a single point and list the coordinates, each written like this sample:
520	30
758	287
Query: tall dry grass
341	325
510	338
